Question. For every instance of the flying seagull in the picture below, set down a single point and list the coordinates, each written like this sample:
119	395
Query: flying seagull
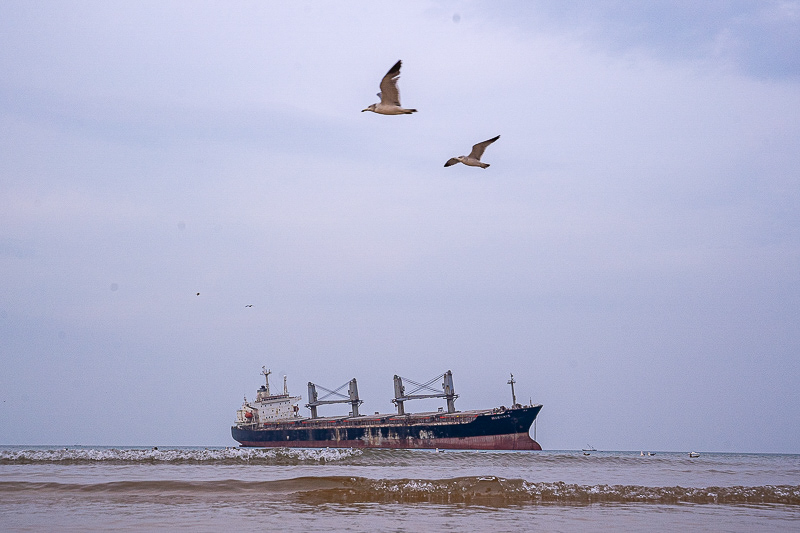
390	95
474	157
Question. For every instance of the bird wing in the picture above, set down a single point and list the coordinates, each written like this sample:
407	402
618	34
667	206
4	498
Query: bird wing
450	162
477	150
390	95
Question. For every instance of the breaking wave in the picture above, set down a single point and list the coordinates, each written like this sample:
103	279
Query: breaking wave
499	491
485	491
220	456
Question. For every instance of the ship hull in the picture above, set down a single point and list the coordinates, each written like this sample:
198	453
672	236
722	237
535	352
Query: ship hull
488	430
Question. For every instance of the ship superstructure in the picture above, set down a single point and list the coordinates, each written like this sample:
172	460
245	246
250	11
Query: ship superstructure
268	407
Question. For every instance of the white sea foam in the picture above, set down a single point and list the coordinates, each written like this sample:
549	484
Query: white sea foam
176	455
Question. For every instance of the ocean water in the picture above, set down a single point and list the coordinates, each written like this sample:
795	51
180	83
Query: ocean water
230	489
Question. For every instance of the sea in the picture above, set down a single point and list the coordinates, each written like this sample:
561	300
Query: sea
100	488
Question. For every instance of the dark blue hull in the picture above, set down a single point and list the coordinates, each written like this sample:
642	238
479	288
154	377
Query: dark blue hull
496	429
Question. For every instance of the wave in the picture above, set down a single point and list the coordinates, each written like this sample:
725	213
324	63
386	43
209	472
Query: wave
486	491
499	491
226	456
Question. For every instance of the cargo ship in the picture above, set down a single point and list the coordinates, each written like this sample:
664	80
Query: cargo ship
274	420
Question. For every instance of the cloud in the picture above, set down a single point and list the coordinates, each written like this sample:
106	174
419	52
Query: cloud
759	38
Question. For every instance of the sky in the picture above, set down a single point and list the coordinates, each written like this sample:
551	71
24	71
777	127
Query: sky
632	254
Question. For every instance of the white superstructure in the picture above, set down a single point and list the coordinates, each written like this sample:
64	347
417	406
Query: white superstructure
268	407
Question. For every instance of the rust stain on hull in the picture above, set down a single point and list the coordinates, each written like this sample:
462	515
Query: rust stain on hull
513	441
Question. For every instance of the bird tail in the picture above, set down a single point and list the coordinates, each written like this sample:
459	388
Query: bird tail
409	111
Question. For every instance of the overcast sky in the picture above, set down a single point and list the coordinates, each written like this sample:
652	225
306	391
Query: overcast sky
632	255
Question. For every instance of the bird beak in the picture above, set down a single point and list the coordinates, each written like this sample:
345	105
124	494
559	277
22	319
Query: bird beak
364	110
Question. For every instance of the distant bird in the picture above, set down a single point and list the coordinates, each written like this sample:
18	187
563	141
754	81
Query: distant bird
249	305
474	157
390	95
198	294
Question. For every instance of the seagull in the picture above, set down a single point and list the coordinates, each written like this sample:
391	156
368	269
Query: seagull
474	157
390	95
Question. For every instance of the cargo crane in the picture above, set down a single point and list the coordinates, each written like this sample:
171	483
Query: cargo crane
351	398
448	393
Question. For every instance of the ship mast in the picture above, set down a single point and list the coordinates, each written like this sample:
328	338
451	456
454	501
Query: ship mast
513	396
266	373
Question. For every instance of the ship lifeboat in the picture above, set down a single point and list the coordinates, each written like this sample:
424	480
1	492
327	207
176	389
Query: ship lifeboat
248	414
